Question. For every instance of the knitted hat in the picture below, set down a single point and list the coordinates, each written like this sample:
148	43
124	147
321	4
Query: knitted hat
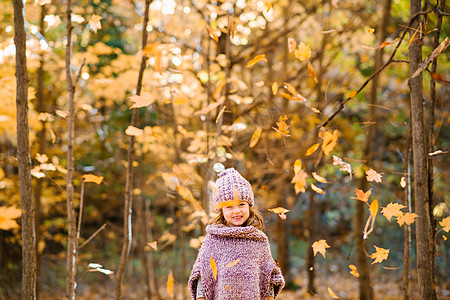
230	182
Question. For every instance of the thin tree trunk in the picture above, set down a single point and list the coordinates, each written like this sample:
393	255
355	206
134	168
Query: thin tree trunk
128	208
424	252
310	240
23	156
407	228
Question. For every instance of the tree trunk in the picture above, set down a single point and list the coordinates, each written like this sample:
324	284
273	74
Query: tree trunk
23	157
310	240
128	205
424	252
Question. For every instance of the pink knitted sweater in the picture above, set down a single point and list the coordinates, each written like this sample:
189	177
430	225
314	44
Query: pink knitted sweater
249	279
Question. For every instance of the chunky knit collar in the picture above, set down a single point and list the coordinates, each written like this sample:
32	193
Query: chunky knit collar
247	232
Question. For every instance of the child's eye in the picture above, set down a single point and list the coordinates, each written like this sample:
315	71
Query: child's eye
242	204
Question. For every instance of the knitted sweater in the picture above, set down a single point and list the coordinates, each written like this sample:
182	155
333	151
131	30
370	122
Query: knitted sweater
251	274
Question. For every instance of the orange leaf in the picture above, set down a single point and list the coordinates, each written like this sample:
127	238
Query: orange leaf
297	166
407	218
92	178
154	245
256	59
438	78
275	88
255	137
403	182
220	114
372	175
283	128
133	131
312	72
170	281
233	263
329	141
300	181
7	214
268	6
380	255
312	149
220	205
445	223
353	271
295	95
279	210
320	246
332	294
213	265
291	44
371	30
352	94
319	178
360	195
374	209
392	210
213	33
317	189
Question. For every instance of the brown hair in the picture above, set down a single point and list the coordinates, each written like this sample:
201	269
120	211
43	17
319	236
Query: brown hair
255	219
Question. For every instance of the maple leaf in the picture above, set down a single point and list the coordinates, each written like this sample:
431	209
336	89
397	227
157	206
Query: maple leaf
392	210
312	149
353	271
283	128
291	44
255	137
144	99
329	141
303	52
300	181
7	214
320	246
407	218
380	254
170	281
445	223
92	178
372	175
256	59
332	294
213	265
233	263
317	189
361	196
94	23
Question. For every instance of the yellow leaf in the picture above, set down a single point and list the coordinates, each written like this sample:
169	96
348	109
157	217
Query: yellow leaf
407	218
94	23
213	33
268	6
353	271
61	113
234	202
153	245
297	166
256	59
53	136
7	214
319	178
329	141
371	30
303	52
180	100
295	95
352	94
320	246
213	265
291	44
315	110
317	189
392	210
275	88
372	175
133	131
170	281
445	223
312	72
403	182
300	181
312	149
233	263
255	137
444	237
92	178
220	113
144	99
283	128
219	89
332	294
279	210
361	196
380	255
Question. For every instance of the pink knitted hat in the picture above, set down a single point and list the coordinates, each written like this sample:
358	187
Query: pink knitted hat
228	182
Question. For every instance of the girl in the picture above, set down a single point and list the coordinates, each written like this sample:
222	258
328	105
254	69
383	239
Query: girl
235	262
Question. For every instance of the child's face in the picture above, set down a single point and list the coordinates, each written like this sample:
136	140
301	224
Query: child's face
236	213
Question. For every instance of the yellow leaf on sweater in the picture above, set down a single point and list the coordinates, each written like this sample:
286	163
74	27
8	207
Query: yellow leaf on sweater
213	265
233	263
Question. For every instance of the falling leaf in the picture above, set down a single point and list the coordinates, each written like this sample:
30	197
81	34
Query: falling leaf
233	263
279	210
329	141
283	128
372	175
312	72
444	237
255	137
133	131
436	153
315	110
337	161
312	149
291	44
220	205
319	178
371	30
61	113
299	178
317	189
42	158
179	100
99	268
36	172
53	136
392	210
403	182
231	26
213	33
352	94
144	99
256	59
380	255
445	223
297	166
213	265
374	209
170	281
438	78
275	88
268	6
220	113
361	196
153	245
7	214
332	294
353	271
92	178
320	246
407	218
303	52
94	23
295	95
